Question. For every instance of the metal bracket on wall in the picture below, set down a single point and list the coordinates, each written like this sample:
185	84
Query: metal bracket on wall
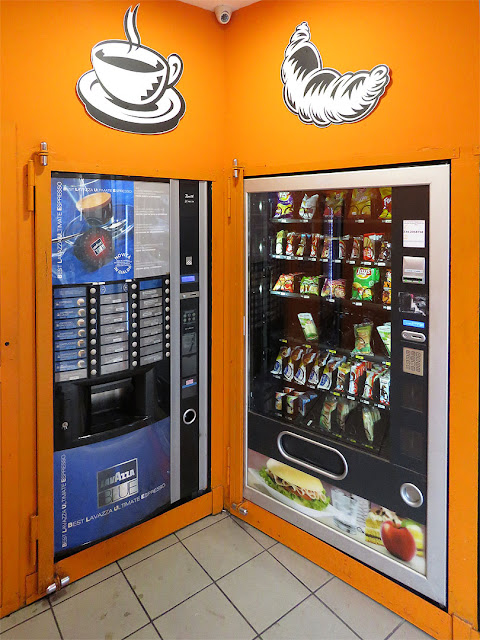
43	154
236	169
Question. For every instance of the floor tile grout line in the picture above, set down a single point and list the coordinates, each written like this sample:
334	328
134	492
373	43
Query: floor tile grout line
135	594
86	588
35	615
218	586
144	626
397	627
237	609
295	576
55	619
275	542
337	616
148	557
204	528
285	614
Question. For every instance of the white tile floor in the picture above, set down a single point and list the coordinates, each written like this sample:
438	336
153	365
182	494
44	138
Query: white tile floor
218	579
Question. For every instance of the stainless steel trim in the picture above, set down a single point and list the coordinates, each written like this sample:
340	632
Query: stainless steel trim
175	386
311	467
203	398
190	294
189	420
437	177
415	336
407	491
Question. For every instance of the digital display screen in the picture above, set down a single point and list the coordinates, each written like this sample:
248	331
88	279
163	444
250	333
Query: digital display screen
414	323
186	279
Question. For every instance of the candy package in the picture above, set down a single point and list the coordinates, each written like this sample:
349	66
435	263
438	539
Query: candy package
356	372
361	203
308	326
310	285
280	396
334	204
328	408
281	360
292	240
333	289
387	287
342	248
371	415
385	333
308	206
328	372
386	195
293	402
302	245
356	248
370	380
293	362
306	365
370	241
363	336
284	205
280	242
385	388
285	282
342	374
315	246
327	248
364	281
321	360
304	402
385	253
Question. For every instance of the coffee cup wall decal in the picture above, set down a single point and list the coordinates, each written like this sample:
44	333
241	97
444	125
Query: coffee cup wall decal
131	87
322	96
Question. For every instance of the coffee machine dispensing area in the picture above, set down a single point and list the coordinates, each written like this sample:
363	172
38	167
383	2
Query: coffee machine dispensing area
130	318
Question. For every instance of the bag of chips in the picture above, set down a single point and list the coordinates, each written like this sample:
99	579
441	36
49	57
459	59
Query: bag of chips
291	243
369	245
284	205
285	282
315	246
356	372
386	195
385	253
308	206
310	285
363	336
327	248
385	333
280	243
342	374
361	203
356	248
364	281
333	204
385	388
302	244
333	288
281	360
342	248
387	287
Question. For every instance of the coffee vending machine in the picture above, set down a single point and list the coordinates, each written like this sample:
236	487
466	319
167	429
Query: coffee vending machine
130	323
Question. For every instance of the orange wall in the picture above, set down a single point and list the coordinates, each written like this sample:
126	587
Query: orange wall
431	48
430	112
45	47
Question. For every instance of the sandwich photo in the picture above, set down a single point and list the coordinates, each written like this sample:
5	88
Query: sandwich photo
301	488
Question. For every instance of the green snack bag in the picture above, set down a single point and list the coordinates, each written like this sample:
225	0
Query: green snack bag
364	280
308	326
385	332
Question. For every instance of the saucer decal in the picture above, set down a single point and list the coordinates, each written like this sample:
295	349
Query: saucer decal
131	87
323	96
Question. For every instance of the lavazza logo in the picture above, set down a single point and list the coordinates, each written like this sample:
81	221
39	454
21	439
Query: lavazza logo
117	483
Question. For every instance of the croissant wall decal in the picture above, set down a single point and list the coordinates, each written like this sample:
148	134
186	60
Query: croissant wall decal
323	96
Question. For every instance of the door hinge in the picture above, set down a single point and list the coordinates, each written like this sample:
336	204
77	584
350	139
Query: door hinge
58	584
43	154
239	508
33	539
31	186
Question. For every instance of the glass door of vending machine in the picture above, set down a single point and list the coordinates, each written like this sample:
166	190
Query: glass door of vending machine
127	399
347	307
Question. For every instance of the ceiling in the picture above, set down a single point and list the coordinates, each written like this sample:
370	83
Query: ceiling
211	4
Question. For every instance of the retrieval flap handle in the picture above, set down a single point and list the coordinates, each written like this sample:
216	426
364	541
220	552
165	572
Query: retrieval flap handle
307	465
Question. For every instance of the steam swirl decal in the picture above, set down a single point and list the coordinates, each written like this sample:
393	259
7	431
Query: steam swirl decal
131	87
323	96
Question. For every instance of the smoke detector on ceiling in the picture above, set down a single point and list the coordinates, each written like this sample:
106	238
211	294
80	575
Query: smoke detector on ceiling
223	13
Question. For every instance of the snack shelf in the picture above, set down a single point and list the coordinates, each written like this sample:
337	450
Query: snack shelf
290	221
337	394
355	263
377	359
322	220
356	303
369	220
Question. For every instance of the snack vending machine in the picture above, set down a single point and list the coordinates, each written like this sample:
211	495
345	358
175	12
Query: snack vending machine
130	315
347	339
